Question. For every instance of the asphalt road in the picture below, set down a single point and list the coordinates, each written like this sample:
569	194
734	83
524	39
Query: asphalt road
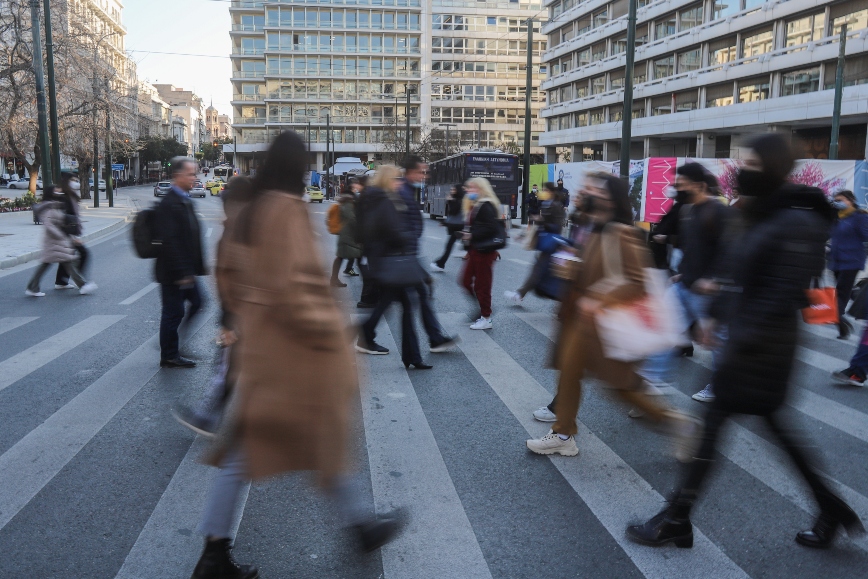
98	481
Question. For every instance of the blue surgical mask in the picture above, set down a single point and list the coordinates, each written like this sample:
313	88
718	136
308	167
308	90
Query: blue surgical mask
839	205
473	196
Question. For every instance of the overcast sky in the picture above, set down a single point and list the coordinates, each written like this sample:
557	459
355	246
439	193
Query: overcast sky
198	27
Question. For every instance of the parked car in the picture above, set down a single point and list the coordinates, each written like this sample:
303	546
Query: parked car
314	194
101	184
162	188
197	191
23	184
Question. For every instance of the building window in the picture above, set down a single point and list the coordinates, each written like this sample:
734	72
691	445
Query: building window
598	84
597	117
752	90
619	45
757	43
616	113
664	67
855	71
598	52
664	27
661	105
584	56
719	95
723	8
689	60
806	29
853	12
801	81
690	18
721	51
581	119
640	72
686	101
580	89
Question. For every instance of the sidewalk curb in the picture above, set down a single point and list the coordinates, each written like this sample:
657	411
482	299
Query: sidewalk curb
24	258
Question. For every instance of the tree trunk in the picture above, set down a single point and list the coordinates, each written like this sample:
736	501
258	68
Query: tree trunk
84	168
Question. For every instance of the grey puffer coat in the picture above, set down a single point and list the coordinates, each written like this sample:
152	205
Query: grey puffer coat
57	246
348	246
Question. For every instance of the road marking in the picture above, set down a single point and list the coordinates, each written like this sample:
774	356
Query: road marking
611	489
434	237
161	549
9	324
33	358
831	332
756	456
521	261
37	458
140	293
408	469
208	233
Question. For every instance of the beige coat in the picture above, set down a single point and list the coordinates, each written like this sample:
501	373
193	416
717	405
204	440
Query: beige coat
297	374
57	246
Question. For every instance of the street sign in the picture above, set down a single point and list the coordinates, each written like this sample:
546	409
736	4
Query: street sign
118	167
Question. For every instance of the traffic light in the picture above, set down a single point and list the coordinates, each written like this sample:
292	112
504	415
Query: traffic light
215	144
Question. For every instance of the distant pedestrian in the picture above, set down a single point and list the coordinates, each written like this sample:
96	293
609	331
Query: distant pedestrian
483	211
847	252
533	202
179	262
58	245
349	248
454	223
70	197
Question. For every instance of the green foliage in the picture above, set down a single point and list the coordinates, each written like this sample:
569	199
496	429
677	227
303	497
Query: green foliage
210	152
160	149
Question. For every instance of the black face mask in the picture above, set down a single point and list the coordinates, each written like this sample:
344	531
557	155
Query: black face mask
681	196
589	204
756	183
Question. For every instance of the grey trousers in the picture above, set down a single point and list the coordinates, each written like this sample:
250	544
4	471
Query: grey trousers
71	268
231	480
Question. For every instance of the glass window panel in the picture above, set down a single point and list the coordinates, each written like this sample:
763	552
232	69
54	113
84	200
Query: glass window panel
723	8
664	67
757	43
664	27
801	81
689	60
753	90
690	18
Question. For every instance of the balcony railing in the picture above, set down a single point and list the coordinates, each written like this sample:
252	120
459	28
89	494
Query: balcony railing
341	120
248	27
247	51
335	97
300	48
248	74
248	97
397	3
411	74
346	26
250	121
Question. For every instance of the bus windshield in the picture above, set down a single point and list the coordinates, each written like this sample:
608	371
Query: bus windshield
493	168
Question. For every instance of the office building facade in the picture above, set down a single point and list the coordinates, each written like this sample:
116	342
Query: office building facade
707	75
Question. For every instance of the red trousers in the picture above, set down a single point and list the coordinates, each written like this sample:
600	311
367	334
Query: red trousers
477	278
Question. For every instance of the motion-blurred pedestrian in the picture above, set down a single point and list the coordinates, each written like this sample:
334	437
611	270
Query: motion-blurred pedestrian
349	248
297	380
847	252
778	254
70	197
454	223
483	212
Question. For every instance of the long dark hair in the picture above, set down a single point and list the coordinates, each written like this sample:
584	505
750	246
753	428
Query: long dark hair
284	167
776	155
619	193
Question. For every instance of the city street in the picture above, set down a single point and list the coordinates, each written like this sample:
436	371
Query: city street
97	480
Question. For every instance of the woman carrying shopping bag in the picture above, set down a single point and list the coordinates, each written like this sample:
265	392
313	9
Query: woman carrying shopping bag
847	252
579	348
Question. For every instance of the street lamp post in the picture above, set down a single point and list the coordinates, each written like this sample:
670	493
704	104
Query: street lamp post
447	125
839	93
528	92
407	114
478	130
627	112
328	153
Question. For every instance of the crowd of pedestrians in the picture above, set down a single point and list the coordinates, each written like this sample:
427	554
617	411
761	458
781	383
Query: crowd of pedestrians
283	395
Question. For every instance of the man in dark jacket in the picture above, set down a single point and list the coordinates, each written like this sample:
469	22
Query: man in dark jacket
775	259
179	262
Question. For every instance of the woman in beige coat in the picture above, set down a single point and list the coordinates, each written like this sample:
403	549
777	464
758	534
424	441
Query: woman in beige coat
297	376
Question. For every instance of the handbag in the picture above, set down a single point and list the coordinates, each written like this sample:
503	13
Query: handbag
634	331
824	304
859	307
396	270
498	241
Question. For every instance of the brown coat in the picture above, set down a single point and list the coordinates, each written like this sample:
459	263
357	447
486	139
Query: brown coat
297	374
591	282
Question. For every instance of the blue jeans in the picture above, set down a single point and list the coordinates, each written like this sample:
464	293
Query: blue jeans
859	361
174	298
695	307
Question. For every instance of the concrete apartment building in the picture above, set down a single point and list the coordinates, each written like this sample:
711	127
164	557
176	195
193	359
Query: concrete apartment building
347	65
707	74
187	123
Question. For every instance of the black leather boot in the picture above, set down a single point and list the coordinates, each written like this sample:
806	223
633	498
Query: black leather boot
671	525
380	530
216	562
834	513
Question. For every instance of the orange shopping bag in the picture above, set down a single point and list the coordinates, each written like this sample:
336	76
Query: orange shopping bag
823	308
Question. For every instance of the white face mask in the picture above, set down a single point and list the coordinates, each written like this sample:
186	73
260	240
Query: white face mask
670	192
75	185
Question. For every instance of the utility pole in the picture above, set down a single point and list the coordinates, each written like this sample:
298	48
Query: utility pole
328	152
95	142
839	93
109	189
307	164
478	131
234	153
40	94
627	113
447	125
407	114
52	92
528	92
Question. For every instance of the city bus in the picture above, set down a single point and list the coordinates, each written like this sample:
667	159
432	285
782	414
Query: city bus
224	171
501	170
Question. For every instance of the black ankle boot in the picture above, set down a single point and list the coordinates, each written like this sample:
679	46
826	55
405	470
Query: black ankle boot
834	513
216	562
671	525
380	530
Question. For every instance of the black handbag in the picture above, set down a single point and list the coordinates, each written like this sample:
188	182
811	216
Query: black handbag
859	307
494	243
397	271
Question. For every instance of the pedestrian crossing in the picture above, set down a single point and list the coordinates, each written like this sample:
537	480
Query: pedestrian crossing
405	457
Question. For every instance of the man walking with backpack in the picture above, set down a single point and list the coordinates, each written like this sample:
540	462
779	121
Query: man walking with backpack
179	260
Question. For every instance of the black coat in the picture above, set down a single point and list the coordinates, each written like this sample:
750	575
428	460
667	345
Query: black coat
380	228
553	215
773	264
483	223
178	228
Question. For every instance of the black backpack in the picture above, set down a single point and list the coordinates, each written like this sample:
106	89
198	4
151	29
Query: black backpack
145	234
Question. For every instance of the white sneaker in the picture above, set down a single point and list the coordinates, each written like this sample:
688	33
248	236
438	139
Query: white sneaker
436	268
704	395
34	294
513	297
70	285
481	324
551	443
543	414
87	288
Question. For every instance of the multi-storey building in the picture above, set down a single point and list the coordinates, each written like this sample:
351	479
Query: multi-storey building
707	74
217	126
188	115
347	66
154	113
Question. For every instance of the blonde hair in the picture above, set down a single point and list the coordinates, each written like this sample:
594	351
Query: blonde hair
385	177
486	193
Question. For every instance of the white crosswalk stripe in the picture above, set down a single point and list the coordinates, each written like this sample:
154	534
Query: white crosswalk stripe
9	324
20	365
141	293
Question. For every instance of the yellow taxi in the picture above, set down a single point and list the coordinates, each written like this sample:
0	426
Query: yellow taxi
216	187
314	194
